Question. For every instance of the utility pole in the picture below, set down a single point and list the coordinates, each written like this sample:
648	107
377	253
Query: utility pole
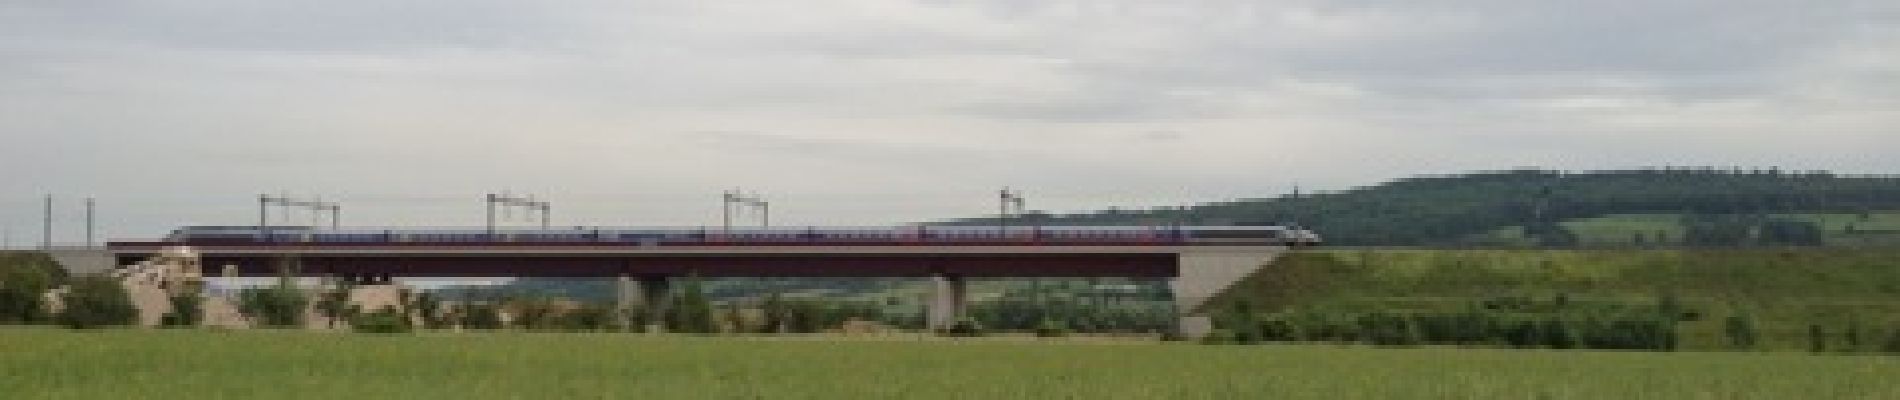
263	217
316	206
507	201
336	216
1006	200
726	199
737	197
89	222
46	225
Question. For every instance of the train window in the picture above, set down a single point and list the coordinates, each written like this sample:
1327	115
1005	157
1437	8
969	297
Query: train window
1235	234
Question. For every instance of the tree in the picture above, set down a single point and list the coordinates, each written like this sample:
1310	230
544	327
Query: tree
21	288
428	306
1790	232
280	306
1552	234
774	312
534	313
804	316
691	311
1716	229
334	304
476	315
93	302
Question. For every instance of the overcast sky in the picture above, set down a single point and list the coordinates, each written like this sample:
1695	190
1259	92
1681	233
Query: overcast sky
630	112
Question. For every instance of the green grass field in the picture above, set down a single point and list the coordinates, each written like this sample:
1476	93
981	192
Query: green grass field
54	364
1784	290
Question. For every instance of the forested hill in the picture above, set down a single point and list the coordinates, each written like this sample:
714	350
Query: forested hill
1442	210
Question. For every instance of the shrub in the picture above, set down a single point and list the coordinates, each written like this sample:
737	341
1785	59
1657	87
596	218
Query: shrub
965	327
1387	329
386	320
1466	328
1219	336
480	316
1817	338
691	311
534	313
590	317
334	304
1851	336
280	307
1277	328
187	310
1052	328
21	285
1558	334
428	306
1516	330
94	302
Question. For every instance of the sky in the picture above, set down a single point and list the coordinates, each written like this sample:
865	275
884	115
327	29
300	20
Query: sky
861	112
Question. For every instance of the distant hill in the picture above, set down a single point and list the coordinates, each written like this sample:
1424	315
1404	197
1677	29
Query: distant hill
1714	206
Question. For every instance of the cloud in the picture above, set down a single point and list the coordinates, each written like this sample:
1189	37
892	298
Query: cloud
859	111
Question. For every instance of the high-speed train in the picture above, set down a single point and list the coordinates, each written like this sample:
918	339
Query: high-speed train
903	235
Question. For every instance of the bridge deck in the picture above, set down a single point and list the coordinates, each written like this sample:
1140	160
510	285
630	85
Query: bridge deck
598	260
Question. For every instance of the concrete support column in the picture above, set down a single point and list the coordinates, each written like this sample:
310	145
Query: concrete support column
656	297
947	303
623	301
1188	323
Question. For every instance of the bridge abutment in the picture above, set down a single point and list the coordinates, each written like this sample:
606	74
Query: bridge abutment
1206	273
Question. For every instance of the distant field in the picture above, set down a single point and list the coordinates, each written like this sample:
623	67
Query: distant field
1879	228
52	364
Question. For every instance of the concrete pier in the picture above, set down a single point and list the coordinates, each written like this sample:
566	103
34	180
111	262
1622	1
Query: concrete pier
949	300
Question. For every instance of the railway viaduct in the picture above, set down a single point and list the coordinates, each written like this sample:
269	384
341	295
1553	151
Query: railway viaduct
1196	272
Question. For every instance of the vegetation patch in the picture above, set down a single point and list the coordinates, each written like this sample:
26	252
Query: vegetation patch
1714	299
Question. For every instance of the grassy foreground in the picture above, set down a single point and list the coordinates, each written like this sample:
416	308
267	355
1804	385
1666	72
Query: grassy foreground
53	364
